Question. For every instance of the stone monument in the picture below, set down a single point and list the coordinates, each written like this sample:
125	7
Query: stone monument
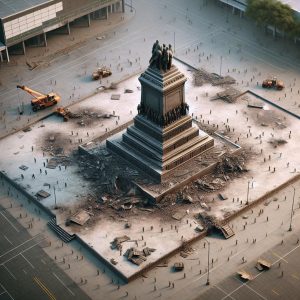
163	135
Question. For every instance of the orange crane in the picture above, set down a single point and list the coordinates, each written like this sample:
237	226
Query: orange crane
40	101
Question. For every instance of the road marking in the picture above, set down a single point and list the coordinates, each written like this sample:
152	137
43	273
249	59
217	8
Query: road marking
20	253
7	239
44	288
13	226
295	276
24	271
6	291
43	261
31	265
10	273
257	293
275	292
63	284
19	245
278	256
223	291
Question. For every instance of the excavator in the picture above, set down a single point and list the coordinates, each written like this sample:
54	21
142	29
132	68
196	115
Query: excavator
40	101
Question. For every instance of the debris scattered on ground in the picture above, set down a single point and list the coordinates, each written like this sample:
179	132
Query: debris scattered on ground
277	142
127	225
23	167
42	194
222	197
27	129
138	256
116	243
80	217
201	77
186	250
231	164
255	106
229	95
178	266
128	91
199	228
113	261
115	97
179	215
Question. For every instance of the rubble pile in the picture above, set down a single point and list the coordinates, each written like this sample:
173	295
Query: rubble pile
208	221
138	256
201	77
231	164
230	95
117	242
186	250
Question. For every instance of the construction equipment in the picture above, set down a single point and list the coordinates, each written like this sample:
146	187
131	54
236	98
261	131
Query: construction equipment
63	112
101	73
273	83
40	101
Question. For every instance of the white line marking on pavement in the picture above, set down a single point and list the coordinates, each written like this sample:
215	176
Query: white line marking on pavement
10	273
256	292
31	265
63	284
43	261
20	245
7	239
14	227
278	256
224	292
6	291
20	253
24	271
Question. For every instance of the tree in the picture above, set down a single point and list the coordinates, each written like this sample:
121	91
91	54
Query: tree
272	12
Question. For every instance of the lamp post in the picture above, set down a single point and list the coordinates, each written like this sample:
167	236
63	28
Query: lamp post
55	206
290	229
131	10
208	253
247	201
221	65
174	40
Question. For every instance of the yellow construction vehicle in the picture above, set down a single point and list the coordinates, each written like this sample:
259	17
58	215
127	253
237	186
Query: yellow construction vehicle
40	101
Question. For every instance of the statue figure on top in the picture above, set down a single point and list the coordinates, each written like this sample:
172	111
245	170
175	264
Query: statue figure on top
161	57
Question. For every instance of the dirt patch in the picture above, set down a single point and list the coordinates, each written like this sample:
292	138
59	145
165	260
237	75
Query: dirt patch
55	143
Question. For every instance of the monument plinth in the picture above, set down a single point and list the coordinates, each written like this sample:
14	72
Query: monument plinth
163	135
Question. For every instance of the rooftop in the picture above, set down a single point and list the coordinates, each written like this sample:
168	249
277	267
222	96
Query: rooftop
294	4
11	7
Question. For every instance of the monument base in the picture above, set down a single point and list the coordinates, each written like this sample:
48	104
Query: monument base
160	155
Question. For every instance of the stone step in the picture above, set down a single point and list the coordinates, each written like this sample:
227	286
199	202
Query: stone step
65	236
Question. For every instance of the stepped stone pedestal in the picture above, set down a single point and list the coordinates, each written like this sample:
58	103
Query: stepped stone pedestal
163	136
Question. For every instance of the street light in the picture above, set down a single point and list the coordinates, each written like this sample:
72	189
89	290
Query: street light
290	229
247	201
208	252
55	206
131	10
174	40
221	65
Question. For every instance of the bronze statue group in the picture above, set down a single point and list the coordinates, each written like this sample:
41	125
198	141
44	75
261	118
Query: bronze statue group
166	119
161	57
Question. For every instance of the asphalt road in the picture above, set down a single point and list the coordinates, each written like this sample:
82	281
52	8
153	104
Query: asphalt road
281	281
26	272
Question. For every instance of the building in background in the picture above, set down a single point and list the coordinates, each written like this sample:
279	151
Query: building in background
21	20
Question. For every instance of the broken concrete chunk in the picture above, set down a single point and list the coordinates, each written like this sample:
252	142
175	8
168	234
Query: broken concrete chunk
128	91
80	217
24	168
113	261
116	243
42	194
179	215
115	97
